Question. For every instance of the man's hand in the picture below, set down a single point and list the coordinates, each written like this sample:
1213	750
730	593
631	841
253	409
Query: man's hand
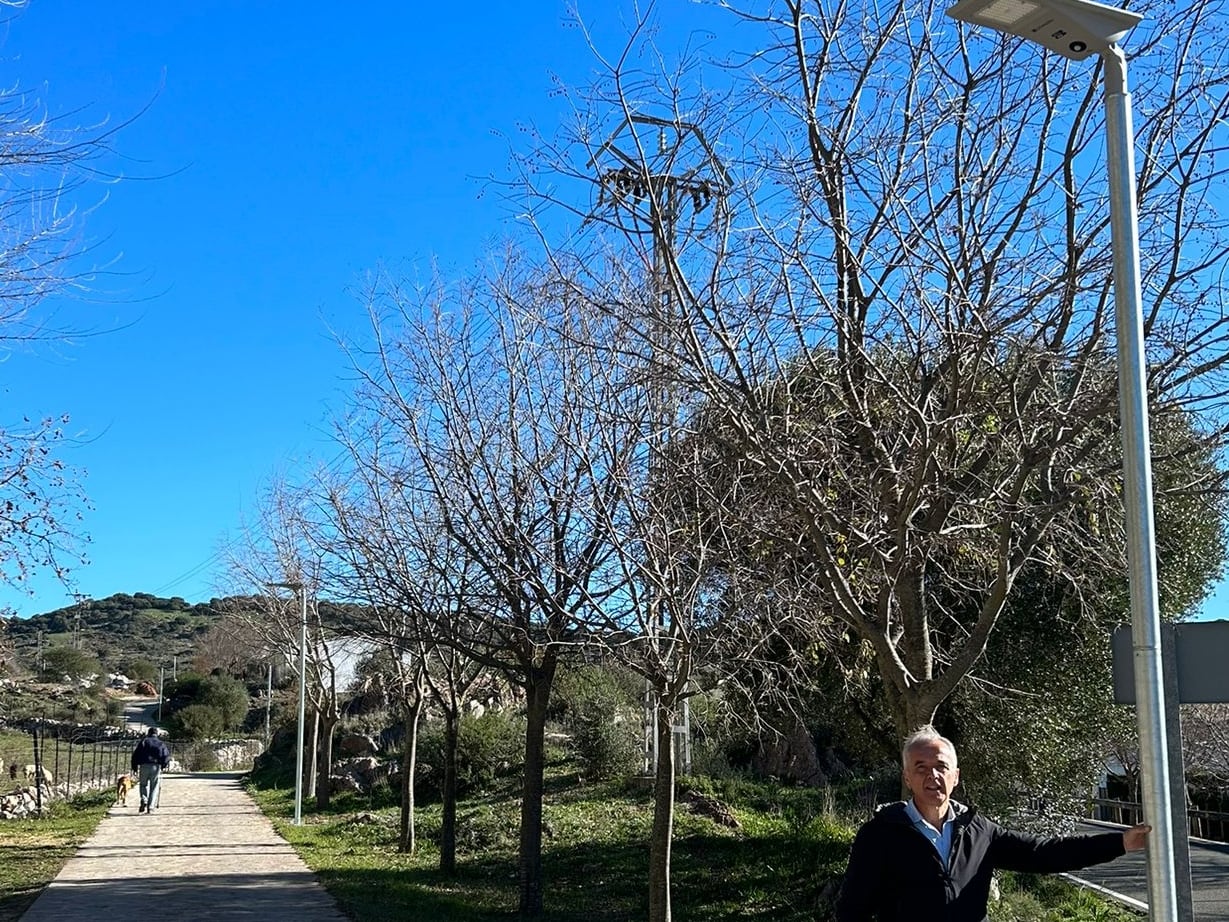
1135	838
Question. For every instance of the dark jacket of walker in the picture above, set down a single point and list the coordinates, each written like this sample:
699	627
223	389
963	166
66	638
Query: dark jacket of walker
151	751
895	873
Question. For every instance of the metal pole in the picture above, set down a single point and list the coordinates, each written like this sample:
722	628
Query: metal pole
268	707
298	769
1137	484
161	689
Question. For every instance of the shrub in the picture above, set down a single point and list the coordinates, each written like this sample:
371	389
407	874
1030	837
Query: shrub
229	696
487	747
598	707
199	757
60	660
578	687
139	669
196	722
606	743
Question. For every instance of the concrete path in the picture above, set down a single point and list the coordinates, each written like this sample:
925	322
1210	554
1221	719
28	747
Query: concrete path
140	714
208	853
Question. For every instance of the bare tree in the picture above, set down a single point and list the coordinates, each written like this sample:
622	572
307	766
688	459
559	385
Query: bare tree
41	504
285	547
45	163
418	589
400	678
483	400
665	524
918	256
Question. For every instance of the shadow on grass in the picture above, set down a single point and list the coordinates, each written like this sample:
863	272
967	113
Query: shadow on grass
715	877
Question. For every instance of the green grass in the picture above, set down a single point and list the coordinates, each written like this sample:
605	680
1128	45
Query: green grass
595	858
34	850
789	853
1034	898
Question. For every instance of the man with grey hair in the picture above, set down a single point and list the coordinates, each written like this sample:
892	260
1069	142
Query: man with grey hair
931	859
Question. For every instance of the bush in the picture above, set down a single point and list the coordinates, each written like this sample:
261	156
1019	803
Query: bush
199	757
60	661
196	722
577	687
606	743
487	747
139	669
229	696
598	706
226	696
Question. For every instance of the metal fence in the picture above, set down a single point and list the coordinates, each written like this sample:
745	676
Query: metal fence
1204	824
63	761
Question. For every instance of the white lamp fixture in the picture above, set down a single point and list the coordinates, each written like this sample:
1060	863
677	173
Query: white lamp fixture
1073	28
1076	29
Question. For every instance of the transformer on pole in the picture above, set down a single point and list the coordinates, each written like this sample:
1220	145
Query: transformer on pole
653	174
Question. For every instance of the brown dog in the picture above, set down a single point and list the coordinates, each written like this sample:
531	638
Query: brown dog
123	784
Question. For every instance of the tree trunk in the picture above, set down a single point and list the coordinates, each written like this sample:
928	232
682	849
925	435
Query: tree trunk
912	712
409	769
324	765
448	806
663	817
537	696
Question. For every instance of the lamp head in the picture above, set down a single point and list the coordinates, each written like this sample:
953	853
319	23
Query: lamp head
1073	28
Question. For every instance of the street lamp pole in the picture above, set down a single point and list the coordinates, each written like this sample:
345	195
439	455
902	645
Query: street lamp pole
298	762
1077	29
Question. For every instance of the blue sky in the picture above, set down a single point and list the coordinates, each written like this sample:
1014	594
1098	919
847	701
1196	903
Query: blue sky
285	151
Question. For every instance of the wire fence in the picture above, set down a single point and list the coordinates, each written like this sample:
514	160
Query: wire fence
56	762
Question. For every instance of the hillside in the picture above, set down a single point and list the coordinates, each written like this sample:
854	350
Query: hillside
115	628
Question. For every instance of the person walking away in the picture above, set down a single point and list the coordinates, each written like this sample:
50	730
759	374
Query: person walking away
931	859
149	760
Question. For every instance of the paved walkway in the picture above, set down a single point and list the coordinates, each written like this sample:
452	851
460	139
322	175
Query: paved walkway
1128	877
208	853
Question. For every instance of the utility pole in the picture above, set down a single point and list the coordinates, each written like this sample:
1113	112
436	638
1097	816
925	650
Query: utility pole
657	172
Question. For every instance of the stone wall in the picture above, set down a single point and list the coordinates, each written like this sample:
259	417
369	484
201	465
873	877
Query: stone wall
24	801
237	755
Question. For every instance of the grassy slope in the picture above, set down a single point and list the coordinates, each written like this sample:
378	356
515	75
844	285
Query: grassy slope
777	867
596	859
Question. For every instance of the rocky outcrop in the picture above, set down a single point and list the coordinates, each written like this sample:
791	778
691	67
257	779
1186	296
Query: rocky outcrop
711	807
356	744
359	775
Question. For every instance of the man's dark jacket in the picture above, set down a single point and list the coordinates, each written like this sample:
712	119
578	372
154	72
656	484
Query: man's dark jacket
151	751
895	873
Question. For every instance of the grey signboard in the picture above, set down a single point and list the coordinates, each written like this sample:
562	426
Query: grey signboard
1200	650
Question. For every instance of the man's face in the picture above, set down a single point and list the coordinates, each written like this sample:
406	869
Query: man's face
931	774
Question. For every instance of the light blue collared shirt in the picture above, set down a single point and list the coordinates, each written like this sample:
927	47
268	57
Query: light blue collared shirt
940	839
